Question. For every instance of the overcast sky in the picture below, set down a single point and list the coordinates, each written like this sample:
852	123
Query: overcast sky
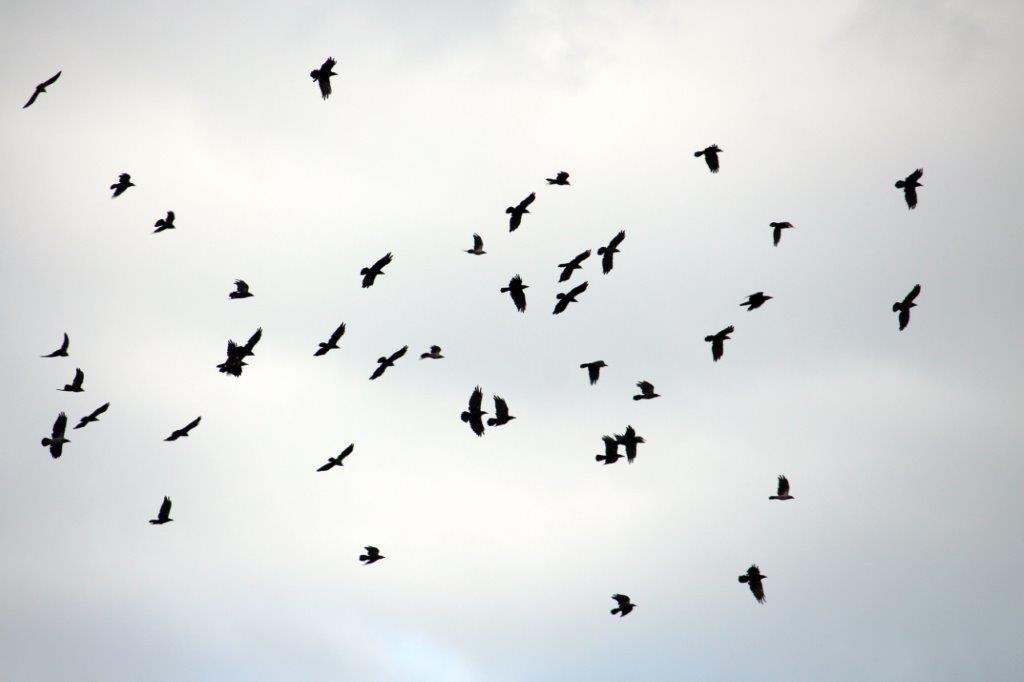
900	557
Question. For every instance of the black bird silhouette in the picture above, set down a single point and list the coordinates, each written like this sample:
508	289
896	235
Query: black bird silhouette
756	300
372	554
93	416
574	264
611	451
433	354
516	212
246	350
164	515
624	606
501	415
629	440
337	461
783	492
909	186
322	76
76	384
646	391
384	363
124	181
607	253
331	343
183	431
478	246
41	88
474	415
777	229
234	363
563	300
370	274
593	370
904	306
753	578
61	352
710	155
561	179
517	290
718	340
56	440
241	290
164	223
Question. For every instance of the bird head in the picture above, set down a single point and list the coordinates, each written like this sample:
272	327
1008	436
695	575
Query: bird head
364	271
382	360
559	296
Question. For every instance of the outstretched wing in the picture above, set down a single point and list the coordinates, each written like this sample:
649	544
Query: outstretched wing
526	202
500	408
711	156
645	386
346	452
53	79
577	290
99	410
379	265
32	99
398	353
915	176
377	373
757	587
66	343
165	509
328	65
79	378
253	340
241	287
478	242
59	426
909	298
338	333
476	400
622	599
192	424
611	446
783	486
617	239
910	194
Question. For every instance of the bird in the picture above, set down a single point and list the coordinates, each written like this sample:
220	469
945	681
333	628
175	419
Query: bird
370	274
718	340
331	343
783	492
241	290
562	178
574	264
92	416
624	605
473	415
646	391
607	253
909	186
516	212
593	370
777	229
76	384
384	363
56	440
563	300
164	515
322	76
611	451
372	554
517	290
756	300
710	155
433	354
501	415
753	578
234	363
478	246
164	223
904	306
41	88
337	461
629	440
61	352
124	181
183	431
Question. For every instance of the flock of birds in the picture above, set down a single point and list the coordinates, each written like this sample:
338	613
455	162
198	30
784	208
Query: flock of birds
474	414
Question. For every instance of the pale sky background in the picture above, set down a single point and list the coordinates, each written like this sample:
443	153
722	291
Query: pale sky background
901	557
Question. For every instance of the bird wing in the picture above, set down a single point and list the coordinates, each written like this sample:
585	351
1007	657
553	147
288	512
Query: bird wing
99	410
526	202
254	339
124	177
622	599
593	373
32	99
47	83
725	332
717	348
59	426
328	65
909	298
192	424
478	242
776	234
326	467
377	373
904	318
398	353
910	194
577	290
66	343
581	257
757	587
711	156
79	378
241	287
617	239
611	446
338	333
915	176
562	175
519	297
346	452
476	400
371	550
783	485
233	351
645	386
500	408
165	508
379	265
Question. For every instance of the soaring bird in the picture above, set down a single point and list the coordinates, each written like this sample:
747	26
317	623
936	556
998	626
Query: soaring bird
574	264
337	461
629	440
718	340
607	253
234	363
322	76
76	384
383	363
777	229
183	431
904	306
166	223
710	155
501	415
331	343
611	451
433	354
909	186
561	179
753	578
646	391
124	181
563	300
370	274
61	352
93	416
40	89
516	212
473	415
372	554
756	300
624	605
478	246
517	290
241	290
593	370
783	492
56	440
164	515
